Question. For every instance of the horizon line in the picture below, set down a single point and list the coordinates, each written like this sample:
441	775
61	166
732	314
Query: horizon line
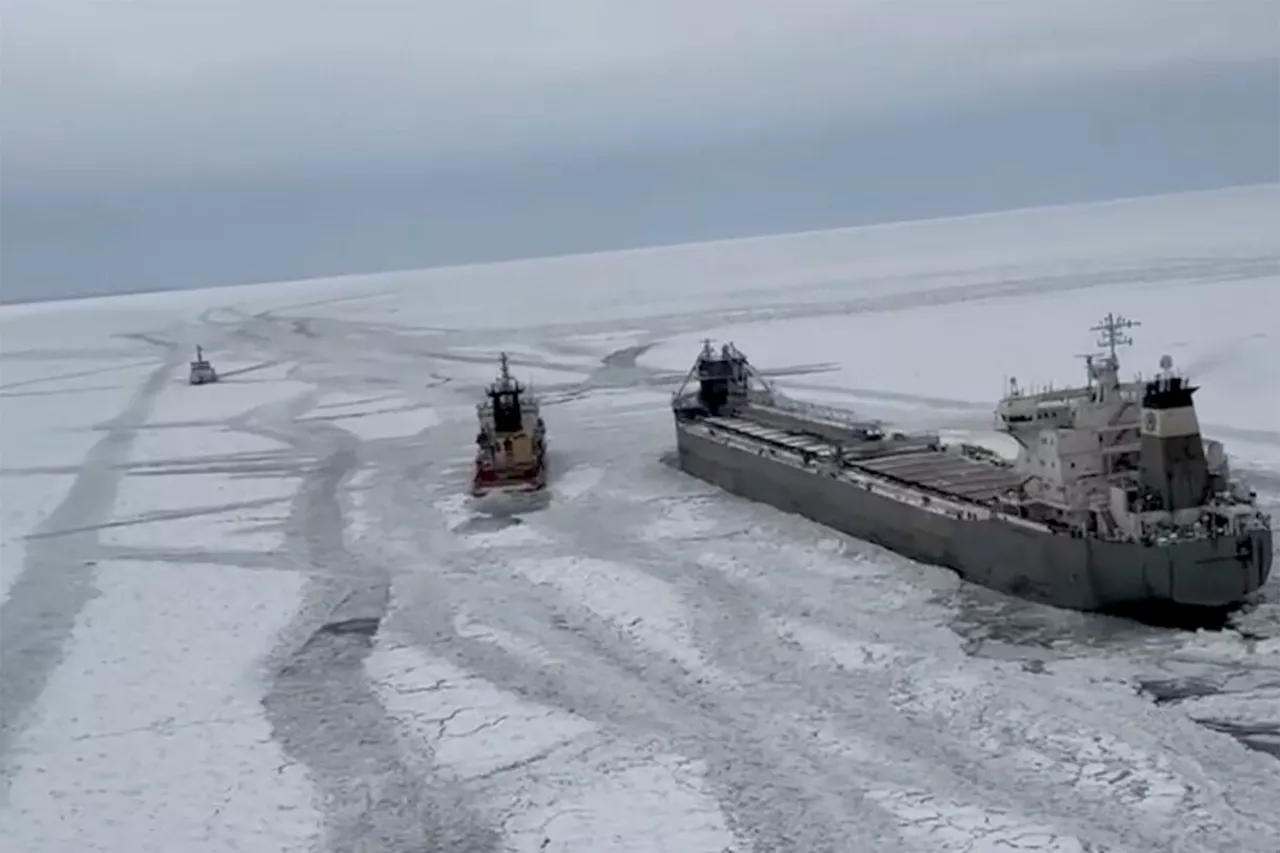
648	248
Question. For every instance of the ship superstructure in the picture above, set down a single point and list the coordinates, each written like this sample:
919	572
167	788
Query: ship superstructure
511	441
1114	497
202	371
1124	460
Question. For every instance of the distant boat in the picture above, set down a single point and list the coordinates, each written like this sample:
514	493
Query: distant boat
201	370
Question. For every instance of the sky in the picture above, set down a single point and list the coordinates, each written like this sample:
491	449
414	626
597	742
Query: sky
156	144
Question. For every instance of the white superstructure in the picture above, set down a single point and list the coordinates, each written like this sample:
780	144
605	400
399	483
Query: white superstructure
1122	459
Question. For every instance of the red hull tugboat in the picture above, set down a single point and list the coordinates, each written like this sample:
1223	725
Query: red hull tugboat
511	445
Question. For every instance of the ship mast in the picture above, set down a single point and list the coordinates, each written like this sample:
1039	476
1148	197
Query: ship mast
1111	334
1111	337
505	383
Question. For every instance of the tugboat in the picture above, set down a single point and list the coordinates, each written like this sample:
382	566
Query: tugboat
511	444
201	370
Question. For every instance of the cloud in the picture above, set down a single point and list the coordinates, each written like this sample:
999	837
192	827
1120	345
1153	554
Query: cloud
199	87
151	144
1143	133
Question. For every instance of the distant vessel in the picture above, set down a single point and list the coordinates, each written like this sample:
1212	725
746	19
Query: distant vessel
511	444
1114	499
201	370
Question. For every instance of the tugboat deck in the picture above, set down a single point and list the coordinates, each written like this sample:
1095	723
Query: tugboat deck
944	472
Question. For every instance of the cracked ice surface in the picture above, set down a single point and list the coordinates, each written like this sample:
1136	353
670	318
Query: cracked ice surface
390	416
1064	739
634	603
554	781
164	749
43	437
949	827
213	511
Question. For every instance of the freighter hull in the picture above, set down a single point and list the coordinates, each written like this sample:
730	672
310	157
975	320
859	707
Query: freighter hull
1058	569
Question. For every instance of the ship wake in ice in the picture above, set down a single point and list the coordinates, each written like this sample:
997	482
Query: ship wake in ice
266	613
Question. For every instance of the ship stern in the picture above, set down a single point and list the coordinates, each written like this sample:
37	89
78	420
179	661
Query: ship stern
1221	572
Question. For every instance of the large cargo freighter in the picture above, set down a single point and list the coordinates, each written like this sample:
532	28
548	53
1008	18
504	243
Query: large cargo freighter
1114	498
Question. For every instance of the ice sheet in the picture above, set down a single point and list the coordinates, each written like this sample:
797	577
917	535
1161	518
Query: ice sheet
630	660
150	736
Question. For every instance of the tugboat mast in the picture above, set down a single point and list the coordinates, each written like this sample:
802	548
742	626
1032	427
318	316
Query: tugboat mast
504	371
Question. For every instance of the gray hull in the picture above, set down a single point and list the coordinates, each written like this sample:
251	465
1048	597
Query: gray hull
1061	570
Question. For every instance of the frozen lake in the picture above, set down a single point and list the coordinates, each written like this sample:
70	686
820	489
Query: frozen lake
261	615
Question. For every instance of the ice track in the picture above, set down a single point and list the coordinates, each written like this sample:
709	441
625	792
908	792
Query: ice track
631	662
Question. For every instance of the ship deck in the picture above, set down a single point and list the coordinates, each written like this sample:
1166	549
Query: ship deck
950	473
944	472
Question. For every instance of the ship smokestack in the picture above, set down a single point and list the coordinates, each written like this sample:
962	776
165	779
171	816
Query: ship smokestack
1174	469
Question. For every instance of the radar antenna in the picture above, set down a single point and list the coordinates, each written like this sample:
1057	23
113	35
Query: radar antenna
1111	333
1090	370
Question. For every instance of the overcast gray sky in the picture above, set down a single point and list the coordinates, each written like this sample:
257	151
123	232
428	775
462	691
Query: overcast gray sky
173	143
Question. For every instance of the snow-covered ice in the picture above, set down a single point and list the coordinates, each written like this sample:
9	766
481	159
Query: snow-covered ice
633	602
551	778
150	735
265	615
